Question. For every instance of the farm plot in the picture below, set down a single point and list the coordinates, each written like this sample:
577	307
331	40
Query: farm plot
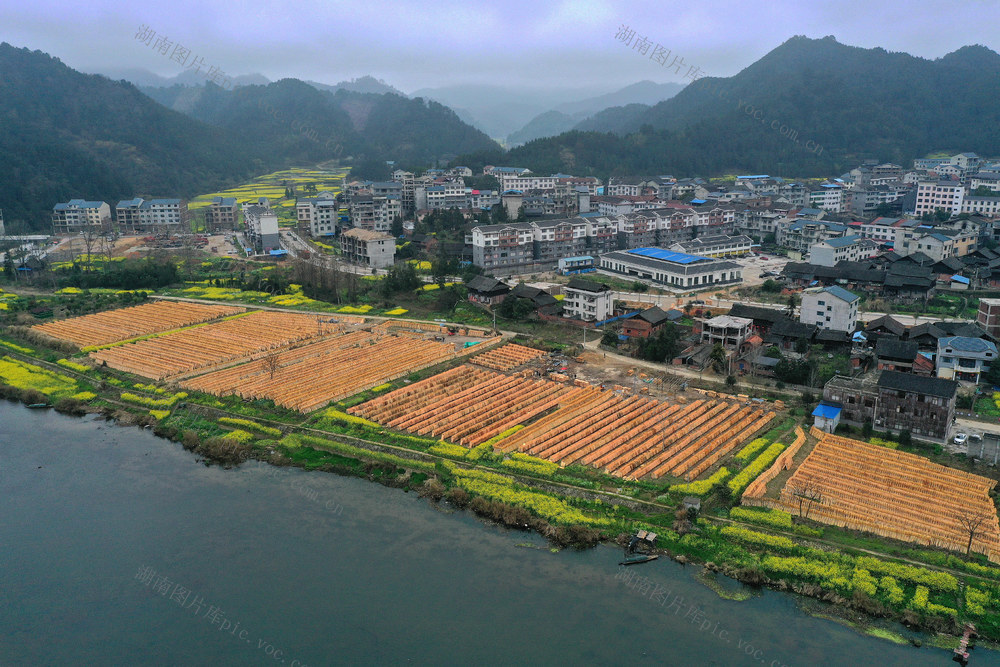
125	323
507	357
200	347
902	496
628	436
308	377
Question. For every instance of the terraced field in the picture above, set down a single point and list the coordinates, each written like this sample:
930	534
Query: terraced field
892	494
308	377
627	436
508	357
200	347
125	323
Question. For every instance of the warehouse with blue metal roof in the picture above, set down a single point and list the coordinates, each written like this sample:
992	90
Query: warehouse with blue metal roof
670	268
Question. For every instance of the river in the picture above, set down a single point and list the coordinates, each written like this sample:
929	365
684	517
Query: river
120	548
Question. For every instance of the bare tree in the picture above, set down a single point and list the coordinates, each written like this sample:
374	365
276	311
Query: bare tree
91	235
807	495
271	363
971	522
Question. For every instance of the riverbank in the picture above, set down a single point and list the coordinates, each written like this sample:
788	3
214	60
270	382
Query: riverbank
571	506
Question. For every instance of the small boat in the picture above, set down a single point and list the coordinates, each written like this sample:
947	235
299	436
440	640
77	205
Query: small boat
39	405
639	547
635	559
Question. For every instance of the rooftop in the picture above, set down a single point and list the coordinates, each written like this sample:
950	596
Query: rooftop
894	380
967	344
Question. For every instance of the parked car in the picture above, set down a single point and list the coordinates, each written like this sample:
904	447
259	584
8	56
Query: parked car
960	438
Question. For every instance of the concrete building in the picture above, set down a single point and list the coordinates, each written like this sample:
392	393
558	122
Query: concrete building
320	213
934	195
222	213
368	247
964	358
672	269
730	331
261	228
830	308
77	214
721	245
895	402
588	300
988	317
160	215
985	206
831	251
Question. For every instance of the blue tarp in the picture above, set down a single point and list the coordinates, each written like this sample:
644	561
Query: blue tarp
960	279
826	411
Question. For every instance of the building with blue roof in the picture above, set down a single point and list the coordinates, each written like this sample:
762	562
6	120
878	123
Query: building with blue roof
964	358
149	215
826	416
831	308
77	214
672	269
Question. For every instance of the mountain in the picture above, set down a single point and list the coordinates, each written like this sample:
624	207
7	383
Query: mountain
499	110
643	92
547	124
810	107
613	117
65	134
301	123
364	84
143	78
570	115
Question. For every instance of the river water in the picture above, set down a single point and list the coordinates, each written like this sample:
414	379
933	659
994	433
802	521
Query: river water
120	548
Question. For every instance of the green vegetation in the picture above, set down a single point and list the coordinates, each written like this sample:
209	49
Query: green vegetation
702	487
759	465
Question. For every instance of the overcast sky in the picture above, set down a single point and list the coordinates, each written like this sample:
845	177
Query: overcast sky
413	44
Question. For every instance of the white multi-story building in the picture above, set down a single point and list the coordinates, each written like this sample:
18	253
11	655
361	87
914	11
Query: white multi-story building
77	214
151	215
988	180
320	213
261	227
985	206
828	197
829	308
527	183
964	358
934	195
623	188
831	251
588	300
442	196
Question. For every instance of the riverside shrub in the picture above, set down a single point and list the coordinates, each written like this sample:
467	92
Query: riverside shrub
773	518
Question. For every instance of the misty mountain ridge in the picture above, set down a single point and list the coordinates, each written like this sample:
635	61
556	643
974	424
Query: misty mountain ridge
810	107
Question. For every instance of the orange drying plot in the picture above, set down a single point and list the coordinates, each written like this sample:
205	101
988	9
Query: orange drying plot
200	347
627	436
308	377
117	325
892	494
507	357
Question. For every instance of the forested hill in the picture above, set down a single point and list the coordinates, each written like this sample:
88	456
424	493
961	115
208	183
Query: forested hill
301	123
65	134
854	103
